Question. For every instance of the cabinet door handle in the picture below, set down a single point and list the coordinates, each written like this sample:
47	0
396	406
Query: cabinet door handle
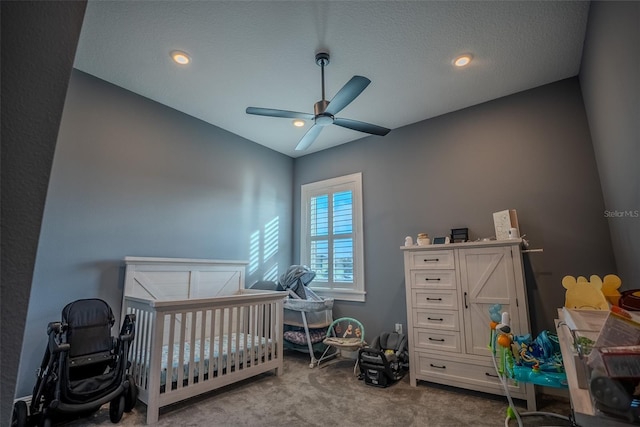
429	278
491	375
431	259
465	300
435	318
436	366
436	339
434	299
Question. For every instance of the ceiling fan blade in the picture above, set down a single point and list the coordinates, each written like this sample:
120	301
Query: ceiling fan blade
348	93
308	138
279	113
361	126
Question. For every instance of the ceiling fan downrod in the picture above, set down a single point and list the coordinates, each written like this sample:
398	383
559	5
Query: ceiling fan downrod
322	59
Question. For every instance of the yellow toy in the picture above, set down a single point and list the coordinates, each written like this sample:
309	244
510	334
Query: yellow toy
610	285
583	294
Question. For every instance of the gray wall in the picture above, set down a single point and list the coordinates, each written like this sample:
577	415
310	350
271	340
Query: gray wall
610	81
530	151
133	177
38	45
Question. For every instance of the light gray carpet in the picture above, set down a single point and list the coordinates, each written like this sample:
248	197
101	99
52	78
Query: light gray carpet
333	396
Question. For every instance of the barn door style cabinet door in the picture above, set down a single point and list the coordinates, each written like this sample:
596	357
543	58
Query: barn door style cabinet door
449	291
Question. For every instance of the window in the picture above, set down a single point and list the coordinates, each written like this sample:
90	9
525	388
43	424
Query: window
331	235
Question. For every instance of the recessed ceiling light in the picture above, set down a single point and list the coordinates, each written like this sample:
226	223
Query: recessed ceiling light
461	61
180	57
298	123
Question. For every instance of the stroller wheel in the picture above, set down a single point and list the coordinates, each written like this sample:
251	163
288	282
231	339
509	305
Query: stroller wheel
131	395
116	409
20	414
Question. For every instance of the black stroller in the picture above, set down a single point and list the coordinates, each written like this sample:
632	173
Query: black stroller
386	361
83	367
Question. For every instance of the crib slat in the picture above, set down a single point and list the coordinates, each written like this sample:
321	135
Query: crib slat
246	329
236	354
192	357
259	334
229	338
146	344
254	325
267	333
170	346
142	324
275	336
220	339
264	334
212	342
182	341
203	327
142	340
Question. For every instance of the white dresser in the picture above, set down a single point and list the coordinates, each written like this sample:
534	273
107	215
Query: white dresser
449	291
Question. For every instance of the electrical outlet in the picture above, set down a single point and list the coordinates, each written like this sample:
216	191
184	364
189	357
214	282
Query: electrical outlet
399	328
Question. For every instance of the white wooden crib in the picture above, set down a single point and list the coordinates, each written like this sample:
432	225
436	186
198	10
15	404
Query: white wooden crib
198	328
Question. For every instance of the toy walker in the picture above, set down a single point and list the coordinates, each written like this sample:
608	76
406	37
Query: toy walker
518	358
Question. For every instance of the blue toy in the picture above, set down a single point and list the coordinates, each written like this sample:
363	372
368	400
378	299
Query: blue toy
520	358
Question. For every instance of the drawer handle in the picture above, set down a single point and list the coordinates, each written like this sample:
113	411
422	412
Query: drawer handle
491	375
465	300
436	366
431	259
428	278
435	318
436	339
434	299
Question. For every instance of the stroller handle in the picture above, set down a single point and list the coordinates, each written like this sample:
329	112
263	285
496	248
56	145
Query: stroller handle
128	331
53	330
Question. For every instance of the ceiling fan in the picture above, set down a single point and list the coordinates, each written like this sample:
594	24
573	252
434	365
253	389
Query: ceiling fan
325	111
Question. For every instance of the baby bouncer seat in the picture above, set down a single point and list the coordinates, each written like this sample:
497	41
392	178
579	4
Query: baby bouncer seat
343	334
385	361
83	367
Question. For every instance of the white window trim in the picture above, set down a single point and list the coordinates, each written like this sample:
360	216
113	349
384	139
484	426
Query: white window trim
353	182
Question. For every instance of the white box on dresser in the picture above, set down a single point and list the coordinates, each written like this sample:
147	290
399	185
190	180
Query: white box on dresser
449	291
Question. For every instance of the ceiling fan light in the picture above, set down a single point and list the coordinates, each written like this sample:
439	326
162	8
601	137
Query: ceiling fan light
180	57
462	60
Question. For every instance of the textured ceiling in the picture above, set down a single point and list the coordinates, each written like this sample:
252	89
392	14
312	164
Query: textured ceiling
261	53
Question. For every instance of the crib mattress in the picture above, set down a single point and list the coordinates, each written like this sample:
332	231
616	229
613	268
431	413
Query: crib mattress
253	344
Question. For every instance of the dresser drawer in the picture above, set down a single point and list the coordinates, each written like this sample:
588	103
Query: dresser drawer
437	340
436	319
436	298
443	367
482	375
432	259
433	279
